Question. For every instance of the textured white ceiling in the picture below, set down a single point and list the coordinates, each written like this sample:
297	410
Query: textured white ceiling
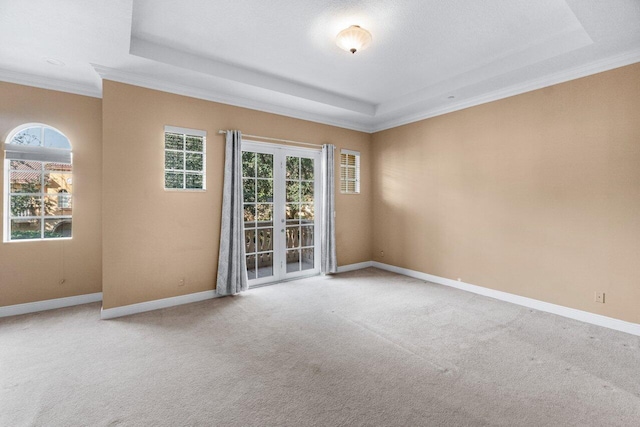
281	56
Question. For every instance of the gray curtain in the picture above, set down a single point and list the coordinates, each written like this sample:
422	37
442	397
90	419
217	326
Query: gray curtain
232	270
328	260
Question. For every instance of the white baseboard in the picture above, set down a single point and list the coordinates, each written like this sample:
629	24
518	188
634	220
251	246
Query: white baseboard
571	313
126	310
353	267
110	313
50	304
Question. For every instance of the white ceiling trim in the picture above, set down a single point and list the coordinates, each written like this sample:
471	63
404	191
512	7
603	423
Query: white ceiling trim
149	82
617	61
160	53
49	83
595	67
555	45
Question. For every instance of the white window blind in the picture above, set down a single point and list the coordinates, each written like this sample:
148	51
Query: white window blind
349	172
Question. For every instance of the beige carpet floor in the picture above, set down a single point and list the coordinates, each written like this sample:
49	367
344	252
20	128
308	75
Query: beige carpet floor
366	348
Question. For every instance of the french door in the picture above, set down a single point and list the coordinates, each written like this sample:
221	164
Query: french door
281	195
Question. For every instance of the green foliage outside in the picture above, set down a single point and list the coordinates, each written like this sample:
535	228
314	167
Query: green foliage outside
29	205
257	171
25	234
29	201
35	234
183	161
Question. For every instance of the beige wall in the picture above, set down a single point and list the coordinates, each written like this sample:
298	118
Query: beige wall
31	271
153	238
537	195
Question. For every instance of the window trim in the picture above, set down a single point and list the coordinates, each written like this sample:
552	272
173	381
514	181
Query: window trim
42	155
203	172
356	154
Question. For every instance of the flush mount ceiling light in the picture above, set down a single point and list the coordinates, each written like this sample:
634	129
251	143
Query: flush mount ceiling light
353	39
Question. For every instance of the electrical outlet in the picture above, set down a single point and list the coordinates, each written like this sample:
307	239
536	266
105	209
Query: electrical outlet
382	254
600	297
181	282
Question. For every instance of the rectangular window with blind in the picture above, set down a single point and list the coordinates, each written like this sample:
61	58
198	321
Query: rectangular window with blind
349	172
184	158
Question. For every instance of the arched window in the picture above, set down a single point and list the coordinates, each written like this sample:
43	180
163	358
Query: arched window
38	184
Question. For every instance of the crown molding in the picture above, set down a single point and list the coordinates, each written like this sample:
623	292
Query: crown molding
515	60
49	83
182	59
149	82
574	73
379	123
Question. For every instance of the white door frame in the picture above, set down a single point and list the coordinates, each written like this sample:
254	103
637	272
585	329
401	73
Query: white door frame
279	153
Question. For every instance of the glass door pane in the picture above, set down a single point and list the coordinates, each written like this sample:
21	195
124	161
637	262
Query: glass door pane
258	195
280	205
300	213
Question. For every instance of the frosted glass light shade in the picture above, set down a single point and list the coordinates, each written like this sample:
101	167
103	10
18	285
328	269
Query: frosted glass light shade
353	39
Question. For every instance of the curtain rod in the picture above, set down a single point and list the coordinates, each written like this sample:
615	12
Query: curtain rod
275	139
